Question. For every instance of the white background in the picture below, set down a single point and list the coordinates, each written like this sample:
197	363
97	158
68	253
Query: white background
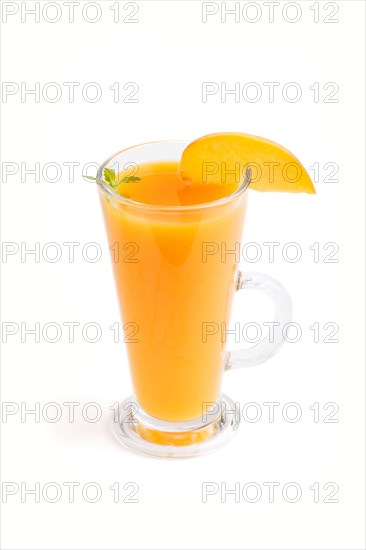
169	53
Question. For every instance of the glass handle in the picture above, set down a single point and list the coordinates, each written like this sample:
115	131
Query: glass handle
271	343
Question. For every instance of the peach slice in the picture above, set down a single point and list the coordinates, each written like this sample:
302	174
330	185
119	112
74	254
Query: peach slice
224	159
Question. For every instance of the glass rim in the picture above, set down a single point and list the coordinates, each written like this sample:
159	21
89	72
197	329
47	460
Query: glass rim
166	208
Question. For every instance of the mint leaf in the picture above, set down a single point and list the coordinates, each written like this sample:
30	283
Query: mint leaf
130	179
110	177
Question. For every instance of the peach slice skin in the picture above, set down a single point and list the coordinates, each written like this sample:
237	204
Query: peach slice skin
214	159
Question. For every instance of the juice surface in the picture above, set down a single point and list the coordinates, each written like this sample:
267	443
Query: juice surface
160	184
175	275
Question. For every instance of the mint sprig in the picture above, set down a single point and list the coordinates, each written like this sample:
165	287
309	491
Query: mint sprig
110	179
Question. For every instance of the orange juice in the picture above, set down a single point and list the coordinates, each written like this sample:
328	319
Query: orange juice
172	278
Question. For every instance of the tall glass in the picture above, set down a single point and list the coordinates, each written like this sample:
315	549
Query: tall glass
176	272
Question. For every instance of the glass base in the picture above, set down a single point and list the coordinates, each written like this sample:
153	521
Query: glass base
147	435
